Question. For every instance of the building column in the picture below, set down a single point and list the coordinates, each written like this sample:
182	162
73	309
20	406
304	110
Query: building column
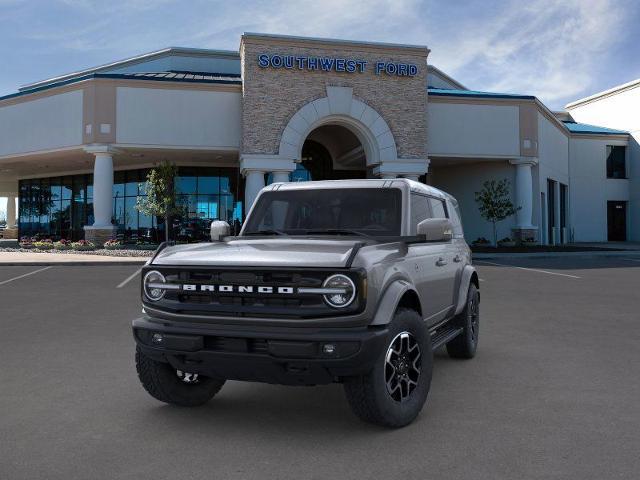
11	232
11	212
410	168
254	183
102	228
254	165
524	198
280	176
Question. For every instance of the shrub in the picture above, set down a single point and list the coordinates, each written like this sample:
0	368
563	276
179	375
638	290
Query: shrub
62	245
83	245
113	244
43	244
26	242
481	241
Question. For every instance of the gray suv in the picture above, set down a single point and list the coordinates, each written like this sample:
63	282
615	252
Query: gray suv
348	281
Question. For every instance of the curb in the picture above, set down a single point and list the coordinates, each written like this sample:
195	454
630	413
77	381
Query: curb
72	264
618	253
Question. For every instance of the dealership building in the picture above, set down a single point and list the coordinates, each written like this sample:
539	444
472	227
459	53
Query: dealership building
75	149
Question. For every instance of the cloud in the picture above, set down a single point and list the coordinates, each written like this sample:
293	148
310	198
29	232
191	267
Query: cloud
547	48
557	50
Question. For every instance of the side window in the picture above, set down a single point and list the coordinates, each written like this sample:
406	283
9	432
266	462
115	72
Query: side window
419	210
438	208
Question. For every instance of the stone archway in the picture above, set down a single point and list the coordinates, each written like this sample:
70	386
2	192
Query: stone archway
339	107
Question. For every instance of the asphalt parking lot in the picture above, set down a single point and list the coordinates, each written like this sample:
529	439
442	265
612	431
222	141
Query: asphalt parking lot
554	391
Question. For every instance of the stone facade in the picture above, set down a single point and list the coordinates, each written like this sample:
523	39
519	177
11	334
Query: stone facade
272	96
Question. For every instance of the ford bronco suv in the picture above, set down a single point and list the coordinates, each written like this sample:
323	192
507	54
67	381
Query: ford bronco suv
349	281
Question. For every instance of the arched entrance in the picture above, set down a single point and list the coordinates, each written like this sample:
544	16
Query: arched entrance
331	152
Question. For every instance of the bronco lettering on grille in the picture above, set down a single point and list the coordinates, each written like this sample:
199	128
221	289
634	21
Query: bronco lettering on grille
236	289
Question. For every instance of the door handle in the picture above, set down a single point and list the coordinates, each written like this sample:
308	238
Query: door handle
441	262
457	259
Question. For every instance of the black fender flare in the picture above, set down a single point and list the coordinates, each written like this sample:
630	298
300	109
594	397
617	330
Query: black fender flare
468	274
390	299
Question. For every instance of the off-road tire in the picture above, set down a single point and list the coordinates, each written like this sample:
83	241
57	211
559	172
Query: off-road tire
368	395
162	382
466	344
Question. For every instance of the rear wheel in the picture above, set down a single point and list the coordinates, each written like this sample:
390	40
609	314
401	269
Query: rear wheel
466	344
176	387
393	393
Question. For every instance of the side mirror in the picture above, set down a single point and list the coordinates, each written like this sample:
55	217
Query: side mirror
219	229
436	229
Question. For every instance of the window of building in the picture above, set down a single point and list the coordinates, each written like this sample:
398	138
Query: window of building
616	161
59	207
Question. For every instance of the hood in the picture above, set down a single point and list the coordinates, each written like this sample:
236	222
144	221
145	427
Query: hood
260	252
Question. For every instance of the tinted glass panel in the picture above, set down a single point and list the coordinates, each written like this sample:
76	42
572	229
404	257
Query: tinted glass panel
318	211
419	211
616	167
437	208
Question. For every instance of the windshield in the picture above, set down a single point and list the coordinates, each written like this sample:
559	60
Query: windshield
349	211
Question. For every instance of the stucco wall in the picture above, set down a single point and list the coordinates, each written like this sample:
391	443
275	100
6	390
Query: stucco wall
473	129
190	118
620	111
462	181
43	124
272	96
590	190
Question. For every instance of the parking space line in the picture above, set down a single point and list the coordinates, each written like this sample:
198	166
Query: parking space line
129	278
529	269
25	275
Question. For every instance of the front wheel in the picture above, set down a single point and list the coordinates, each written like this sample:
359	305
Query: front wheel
393	393
165	383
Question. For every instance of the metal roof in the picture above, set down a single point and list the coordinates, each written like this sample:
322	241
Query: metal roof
134	60
187	77
585	128
444	92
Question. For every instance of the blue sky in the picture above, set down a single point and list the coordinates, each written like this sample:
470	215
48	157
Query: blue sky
557	50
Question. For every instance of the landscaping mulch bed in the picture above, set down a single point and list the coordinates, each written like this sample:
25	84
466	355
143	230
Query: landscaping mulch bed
541	248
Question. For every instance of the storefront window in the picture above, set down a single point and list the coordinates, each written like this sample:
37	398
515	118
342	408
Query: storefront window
59	207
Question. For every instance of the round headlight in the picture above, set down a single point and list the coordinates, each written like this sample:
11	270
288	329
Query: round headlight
344	291
151	281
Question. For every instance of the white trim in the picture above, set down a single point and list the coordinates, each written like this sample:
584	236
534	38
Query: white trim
605	93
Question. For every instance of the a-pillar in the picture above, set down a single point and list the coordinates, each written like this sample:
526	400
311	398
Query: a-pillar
102	228
524	229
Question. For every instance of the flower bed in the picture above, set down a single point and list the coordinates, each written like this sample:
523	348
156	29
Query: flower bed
83	245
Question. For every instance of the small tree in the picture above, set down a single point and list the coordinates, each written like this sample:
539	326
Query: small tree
494	203
161	200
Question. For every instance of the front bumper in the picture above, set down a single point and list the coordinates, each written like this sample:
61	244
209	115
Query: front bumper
289	356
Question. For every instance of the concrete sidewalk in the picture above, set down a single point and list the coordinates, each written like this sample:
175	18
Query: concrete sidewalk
36	259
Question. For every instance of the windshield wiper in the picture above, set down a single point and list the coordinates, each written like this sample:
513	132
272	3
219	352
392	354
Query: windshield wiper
266	232
337	231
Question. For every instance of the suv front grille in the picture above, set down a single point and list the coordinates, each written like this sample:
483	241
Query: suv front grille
251	304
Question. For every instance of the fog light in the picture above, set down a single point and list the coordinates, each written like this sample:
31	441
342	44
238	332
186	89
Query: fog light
157	338
329	348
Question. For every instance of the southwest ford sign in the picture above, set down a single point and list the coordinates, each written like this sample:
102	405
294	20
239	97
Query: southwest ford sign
334	64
